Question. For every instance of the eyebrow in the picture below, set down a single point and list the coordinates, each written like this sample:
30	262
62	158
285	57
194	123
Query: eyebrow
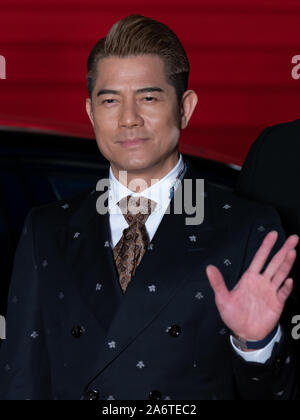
117	92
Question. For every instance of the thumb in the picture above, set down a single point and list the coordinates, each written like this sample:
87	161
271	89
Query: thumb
217	283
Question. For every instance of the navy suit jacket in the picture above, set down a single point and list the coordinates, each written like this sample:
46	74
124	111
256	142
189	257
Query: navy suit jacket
73	334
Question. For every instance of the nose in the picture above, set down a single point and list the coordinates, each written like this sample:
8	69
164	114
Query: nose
130	116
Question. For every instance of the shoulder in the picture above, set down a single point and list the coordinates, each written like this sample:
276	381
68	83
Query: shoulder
286	128
237	207
224	201
62	211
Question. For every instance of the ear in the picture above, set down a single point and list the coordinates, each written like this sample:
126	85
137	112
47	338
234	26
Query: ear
188	104
89	110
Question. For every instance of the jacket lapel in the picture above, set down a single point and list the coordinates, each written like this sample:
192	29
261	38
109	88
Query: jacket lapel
89	261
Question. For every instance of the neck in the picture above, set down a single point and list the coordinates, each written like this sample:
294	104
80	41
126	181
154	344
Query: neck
141	179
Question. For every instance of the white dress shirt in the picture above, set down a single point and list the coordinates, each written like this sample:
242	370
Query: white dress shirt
160	193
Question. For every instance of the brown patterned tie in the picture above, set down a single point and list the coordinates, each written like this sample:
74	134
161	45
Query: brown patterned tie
133	244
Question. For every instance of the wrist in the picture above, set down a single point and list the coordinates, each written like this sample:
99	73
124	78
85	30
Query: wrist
252	345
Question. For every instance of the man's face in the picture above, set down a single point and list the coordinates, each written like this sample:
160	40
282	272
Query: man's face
135	116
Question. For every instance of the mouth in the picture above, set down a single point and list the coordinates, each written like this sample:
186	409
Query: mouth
133	142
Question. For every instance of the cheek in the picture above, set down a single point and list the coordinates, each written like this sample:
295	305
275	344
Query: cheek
104	128
103	133
167	131
163	121
104	122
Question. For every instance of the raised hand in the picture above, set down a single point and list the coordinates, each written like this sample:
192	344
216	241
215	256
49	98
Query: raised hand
253	308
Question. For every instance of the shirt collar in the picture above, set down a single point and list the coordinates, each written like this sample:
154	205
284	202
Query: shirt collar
158	192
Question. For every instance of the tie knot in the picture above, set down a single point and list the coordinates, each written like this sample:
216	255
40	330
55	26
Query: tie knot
136	209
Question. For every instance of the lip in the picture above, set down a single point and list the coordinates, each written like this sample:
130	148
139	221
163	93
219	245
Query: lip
133	142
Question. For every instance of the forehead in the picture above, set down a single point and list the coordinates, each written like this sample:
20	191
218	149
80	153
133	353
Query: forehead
132	71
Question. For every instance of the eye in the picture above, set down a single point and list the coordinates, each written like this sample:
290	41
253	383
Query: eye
108	101
150	98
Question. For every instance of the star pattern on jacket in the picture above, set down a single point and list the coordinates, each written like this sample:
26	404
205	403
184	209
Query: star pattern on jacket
140	364
112	344
98	287
199	295
227	206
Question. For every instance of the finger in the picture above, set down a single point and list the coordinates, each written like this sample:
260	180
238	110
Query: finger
285	291
284	269
280	256
263	252
217	283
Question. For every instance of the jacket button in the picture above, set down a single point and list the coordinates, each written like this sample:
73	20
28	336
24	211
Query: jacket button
175	331
92	394
77	331
155	395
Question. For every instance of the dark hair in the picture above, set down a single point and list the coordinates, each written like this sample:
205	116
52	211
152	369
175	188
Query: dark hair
140	35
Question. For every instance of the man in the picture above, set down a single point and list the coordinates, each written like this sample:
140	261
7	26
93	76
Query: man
134	302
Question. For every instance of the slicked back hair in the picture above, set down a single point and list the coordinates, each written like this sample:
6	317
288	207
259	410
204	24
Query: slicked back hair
139	35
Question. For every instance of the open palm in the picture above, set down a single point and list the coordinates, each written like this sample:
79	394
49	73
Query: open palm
253	308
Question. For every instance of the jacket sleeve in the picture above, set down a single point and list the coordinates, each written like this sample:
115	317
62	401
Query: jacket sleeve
276	379
24	367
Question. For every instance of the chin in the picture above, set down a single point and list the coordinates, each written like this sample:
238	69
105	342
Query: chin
135	165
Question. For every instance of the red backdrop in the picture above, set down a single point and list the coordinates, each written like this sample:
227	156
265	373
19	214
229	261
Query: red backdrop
240	54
